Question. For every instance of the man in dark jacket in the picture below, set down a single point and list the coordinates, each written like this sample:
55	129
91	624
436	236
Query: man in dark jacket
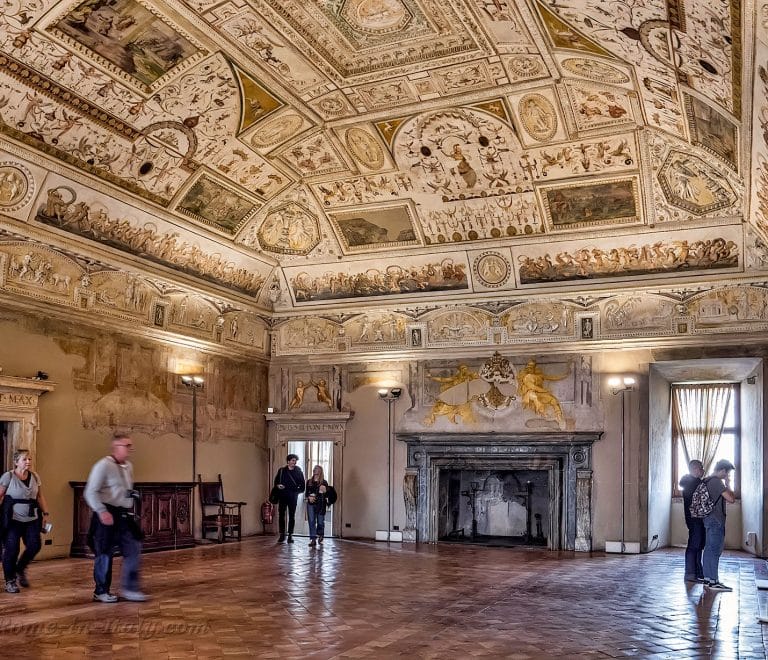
290	481
696	533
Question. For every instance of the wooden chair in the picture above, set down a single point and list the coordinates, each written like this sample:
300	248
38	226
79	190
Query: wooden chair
217	514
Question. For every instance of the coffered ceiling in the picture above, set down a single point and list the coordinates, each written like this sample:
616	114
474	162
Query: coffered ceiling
333	154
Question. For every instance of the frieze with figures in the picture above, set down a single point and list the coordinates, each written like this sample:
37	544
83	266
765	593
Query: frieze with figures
35	271
645	259
92	220
393	280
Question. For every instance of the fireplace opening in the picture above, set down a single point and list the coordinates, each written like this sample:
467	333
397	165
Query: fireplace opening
494	507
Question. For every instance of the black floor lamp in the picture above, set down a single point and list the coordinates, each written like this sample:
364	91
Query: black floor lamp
390	395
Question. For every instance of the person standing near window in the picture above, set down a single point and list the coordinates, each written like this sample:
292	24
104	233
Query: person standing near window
290	482
23	502
317	503
694	571
719	487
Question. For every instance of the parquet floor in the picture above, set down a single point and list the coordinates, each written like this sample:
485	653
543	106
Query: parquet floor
364	600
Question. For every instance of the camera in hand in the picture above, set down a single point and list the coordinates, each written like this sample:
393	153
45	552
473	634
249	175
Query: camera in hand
133	494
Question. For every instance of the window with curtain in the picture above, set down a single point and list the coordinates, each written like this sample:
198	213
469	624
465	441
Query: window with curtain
705	426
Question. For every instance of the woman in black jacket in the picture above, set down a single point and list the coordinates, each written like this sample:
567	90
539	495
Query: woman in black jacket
318	499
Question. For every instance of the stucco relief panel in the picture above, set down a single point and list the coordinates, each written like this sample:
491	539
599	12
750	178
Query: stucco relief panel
457	327
306	335
39	272
374	330
120	294
545	321
725	309
636	315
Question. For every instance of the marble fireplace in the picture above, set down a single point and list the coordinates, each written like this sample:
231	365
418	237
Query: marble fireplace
537	486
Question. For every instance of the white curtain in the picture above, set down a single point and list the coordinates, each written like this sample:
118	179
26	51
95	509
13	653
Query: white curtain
698	415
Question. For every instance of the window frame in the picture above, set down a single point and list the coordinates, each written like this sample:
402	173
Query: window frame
734	430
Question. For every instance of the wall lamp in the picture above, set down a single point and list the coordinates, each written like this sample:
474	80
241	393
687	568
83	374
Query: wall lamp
391	393
621	384
193	381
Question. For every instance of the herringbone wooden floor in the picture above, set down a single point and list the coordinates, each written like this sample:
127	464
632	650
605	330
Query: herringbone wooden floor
353	599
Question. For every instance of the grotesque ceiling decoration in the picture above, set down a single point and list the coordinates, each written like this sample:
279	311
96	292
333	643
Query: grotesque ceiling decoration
291	155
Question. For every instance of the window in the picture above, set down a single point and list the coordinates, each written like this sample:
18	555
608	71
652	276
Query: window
729	446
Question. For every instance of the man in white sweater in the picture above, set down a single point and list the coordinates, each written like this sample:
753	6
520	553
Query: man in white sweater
109	492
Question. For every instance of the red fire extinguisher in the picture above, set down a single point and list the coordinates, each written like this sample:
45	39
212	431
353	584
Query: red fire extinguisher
267	513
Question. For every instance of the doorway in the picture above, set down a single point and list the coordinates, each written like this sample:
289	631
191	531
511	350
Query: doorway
311	453
5	446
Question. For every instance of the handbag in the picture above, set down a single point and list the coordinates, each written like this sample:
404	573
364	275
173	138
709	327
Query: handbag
331	495
274	495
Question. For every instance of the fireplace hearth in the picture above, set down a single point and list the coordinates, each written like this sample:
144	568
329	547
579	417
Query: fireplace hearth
524	488
494	507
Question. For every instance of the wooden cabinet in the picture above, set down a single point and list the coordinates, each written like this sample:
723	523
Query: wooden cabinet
165	516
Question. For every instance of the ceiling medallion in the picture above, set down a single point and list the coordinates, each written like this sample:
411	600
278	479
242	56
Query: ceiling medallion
16	186
376	16
492	269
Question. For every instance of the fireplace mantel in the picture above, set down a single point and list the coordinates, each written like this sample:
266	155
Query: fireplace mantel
566	455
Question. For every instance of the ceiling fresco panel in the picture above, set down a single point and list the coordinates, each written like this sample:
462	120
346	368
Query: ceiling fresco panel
128	38
350	152
759	201
569	206
374	228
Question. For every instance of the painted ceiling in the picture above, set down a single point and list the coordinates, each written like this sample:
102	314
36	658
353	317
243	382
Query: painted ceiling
331	153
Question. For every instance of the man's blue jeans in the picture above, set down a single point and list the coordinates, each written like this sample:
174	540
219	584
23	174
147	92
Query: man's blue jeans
106	537
693	551
713	547
316	521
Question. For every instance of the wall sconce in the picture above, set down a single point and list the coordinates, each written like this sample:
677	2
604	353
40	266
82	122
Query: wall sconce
621	384
391	393
193	381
